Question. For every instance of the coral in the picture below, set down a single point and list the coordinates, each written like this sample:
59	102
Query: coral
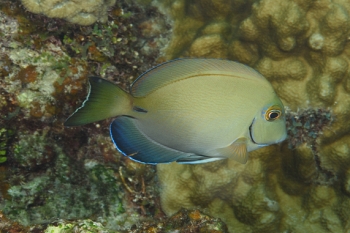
31	73
46	65
306	126
86	225
7	226
32	150
39	199
39	72
301	185
302	48
79	12
185	221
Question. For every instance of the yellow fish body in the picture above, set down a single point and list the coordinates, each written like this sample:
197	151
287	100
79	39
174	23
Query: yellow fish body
189	111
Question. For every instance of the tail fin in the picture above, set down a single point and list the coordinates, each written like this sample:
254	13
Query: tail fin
104	100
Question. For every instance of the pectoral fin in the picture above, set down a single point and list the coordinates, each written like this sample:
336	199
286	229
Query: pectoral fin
237	150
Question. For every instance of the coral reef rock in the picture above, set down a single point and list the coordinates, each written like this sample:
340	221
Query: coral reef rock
184	221
70	179
302	48
83	12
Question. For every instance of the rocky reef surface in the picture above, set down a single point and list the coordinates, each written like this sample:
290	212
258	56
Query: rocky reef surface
58	179
71	177
82	12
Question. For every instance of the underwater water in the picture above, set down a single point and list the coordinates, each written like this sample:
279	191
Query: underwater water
59	179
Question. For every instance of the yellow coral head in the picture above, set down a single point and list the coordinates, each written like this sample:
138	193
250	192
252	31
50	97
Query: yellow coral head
269	125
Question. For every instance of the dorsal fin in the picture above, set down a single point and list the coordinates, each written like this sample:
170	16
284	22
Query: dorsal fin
179	69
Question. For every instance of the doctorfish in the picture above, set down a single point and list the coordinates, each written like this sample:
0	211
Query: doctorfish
189	111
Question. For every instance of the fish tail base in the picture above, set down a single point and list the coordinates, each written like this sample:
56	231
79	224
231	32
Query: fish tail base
104	100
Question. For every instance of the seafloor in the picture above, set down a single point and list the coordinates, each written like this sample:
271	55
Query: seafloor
57	179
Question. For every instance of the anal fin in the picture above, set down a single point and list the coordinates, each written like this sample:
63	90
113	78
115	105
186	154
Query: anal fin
131	142
197	159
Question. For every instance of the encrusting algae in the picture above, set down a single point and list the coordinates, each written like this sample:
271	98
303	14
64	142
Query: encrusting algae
47	175
83	12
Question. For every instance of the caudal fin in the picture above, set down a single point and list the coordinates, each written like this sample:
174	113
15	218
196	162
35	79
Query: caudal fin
104	100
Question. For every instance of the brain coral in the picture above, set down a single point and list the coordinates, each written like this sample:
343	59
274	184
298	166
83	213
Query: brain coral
83	12
302	47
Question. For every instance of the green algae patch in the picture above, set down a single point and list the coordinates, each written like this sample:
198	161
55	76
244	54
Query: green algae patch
64	191
5	135
83	226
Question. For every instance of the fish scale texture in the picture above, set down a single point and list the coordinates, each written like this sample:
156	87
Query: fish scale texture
83	12
302	48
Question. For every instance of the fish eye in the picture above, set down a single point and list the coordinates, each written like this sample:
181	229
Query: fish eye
273	113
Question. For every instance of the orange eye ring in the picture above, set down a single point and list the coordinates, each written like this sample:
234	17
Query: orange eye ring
273	113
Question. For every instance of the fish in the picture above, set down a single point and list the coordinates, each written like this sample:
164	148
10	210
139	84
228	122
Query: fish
189	111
